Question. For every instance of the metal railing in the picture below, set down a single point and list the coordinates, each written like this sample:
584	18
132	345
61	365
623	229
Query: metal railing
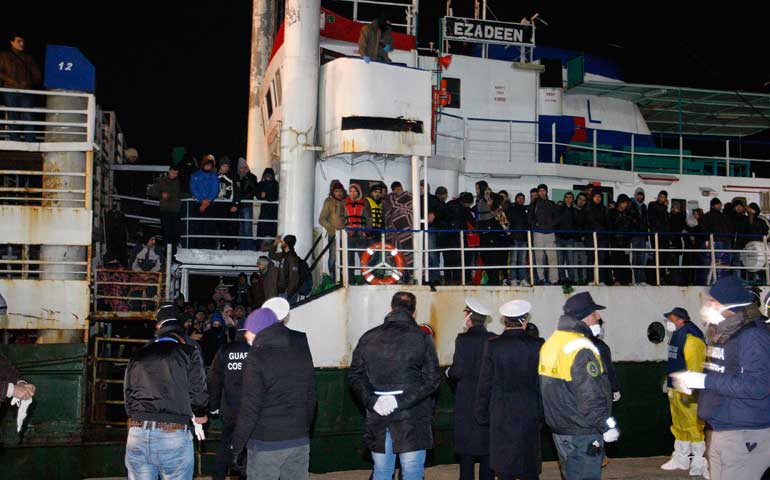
32	120
509	140
111	356
23	263
127	294
579	257
47	188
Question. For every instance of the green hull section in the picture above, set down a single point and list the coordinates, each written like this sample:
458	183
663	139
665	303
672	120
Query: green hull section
56	441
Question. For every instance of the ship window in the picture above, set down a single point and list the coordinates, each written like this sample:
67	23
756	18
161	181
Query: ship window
277	87
453	87
382	123
269	103
656	333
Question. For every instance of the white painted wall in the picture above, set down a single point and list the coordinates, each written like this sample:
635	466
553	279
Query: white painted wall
45	304
335	322
45	226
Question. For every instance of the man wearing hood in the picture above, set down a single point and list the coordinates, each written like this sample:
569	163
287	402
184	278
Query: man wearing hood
639	259
471	437
164	389
332	218
224	383
278	401
686	351
734	388
204	188
376	40
267	191
394	374
576	391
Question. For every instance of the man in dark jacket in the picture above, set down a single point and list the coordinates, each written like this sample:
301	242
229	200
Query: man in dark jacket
508	398
566	219
576	391
204	188
518	222
542	216
593	218
734	397
246	186
460	216
640	241
278	401
471	438
267	191
19	71
166	189
623	220
224	383
227	204
394	373
269	273
11	384
715	225
288	268
164	389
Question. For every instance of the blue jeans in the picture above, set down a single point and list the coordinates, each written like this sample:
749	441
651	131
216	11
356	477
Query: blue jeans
566	257
580	456
639	258
412	463
20	100
332	252
153	453
246	214
519	261
434	258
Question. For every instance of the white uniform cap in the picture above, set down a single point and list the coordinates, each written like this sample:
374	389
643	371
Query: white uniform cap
515	308
279	306
478	306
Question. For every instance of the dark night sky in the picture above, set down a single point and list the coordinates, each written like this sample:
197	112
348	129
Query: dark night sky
177	74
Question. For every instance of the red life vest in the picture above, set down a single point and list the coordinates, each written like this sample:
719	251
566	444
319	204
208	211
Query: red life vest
354	213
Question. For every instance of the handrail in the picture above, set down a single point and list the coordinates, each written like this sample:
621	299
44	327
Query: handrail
612	253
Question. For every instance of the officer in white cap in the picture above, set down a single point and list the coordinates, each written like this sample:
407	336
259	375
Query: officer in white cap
281	308
471	439
508	396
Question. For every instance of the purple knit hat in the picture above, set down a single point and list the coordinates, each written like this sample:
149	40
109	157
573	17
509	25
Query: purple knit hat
259	320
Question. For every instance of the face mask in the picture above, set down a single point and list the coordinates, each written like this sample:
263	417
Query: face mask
710	314
596	329
670	326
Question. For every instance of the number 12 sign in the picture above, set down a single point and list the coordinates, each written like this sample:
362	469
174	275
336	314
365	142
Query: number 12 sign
66	68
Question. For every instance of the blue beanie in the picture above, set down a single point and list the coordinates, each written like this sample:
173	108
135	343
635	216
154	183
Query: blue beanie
731	290
260	319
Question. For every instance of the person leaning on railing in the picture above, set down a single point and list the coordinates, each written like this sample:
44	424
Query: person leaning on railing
19	71
459	217
518	222
332	218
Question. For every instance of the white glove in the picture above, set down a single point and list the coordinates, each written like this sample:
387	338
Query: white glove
686	381
385	405
23	406
615	396
199	434
611	435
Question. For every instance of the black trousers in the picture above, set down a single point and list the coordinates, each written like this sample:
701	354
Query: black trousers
467	462
169	224
224	457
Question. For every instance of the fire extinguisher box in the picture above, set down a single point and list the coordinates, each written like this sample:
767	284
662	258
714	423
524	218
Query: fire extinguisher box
66	68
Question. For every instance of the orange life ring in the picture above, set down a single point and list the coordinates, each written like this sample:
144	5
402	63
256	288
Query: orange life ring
397	268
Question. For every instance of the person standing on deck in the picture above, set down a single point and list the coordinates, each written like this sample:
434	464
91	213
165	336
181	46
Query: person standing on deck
508	398
686	351
394	374
471	438
332	218
204	188
376	40
19	71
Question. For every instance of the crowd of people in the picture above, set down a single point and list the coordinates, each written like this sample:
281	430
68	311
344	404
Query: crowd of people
217	201
508	388
562	234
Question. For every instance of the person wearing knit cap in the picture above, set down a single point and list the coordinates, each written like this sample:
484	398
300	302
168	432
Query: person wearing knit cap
508	382
471	438
332	218
575	389
734	388
225	380
246	191
267	191
204	188
228	201
278	402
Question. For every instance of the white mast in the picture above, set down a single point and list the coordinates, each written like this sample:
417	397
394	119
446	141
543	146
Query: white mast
299	74
262	32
